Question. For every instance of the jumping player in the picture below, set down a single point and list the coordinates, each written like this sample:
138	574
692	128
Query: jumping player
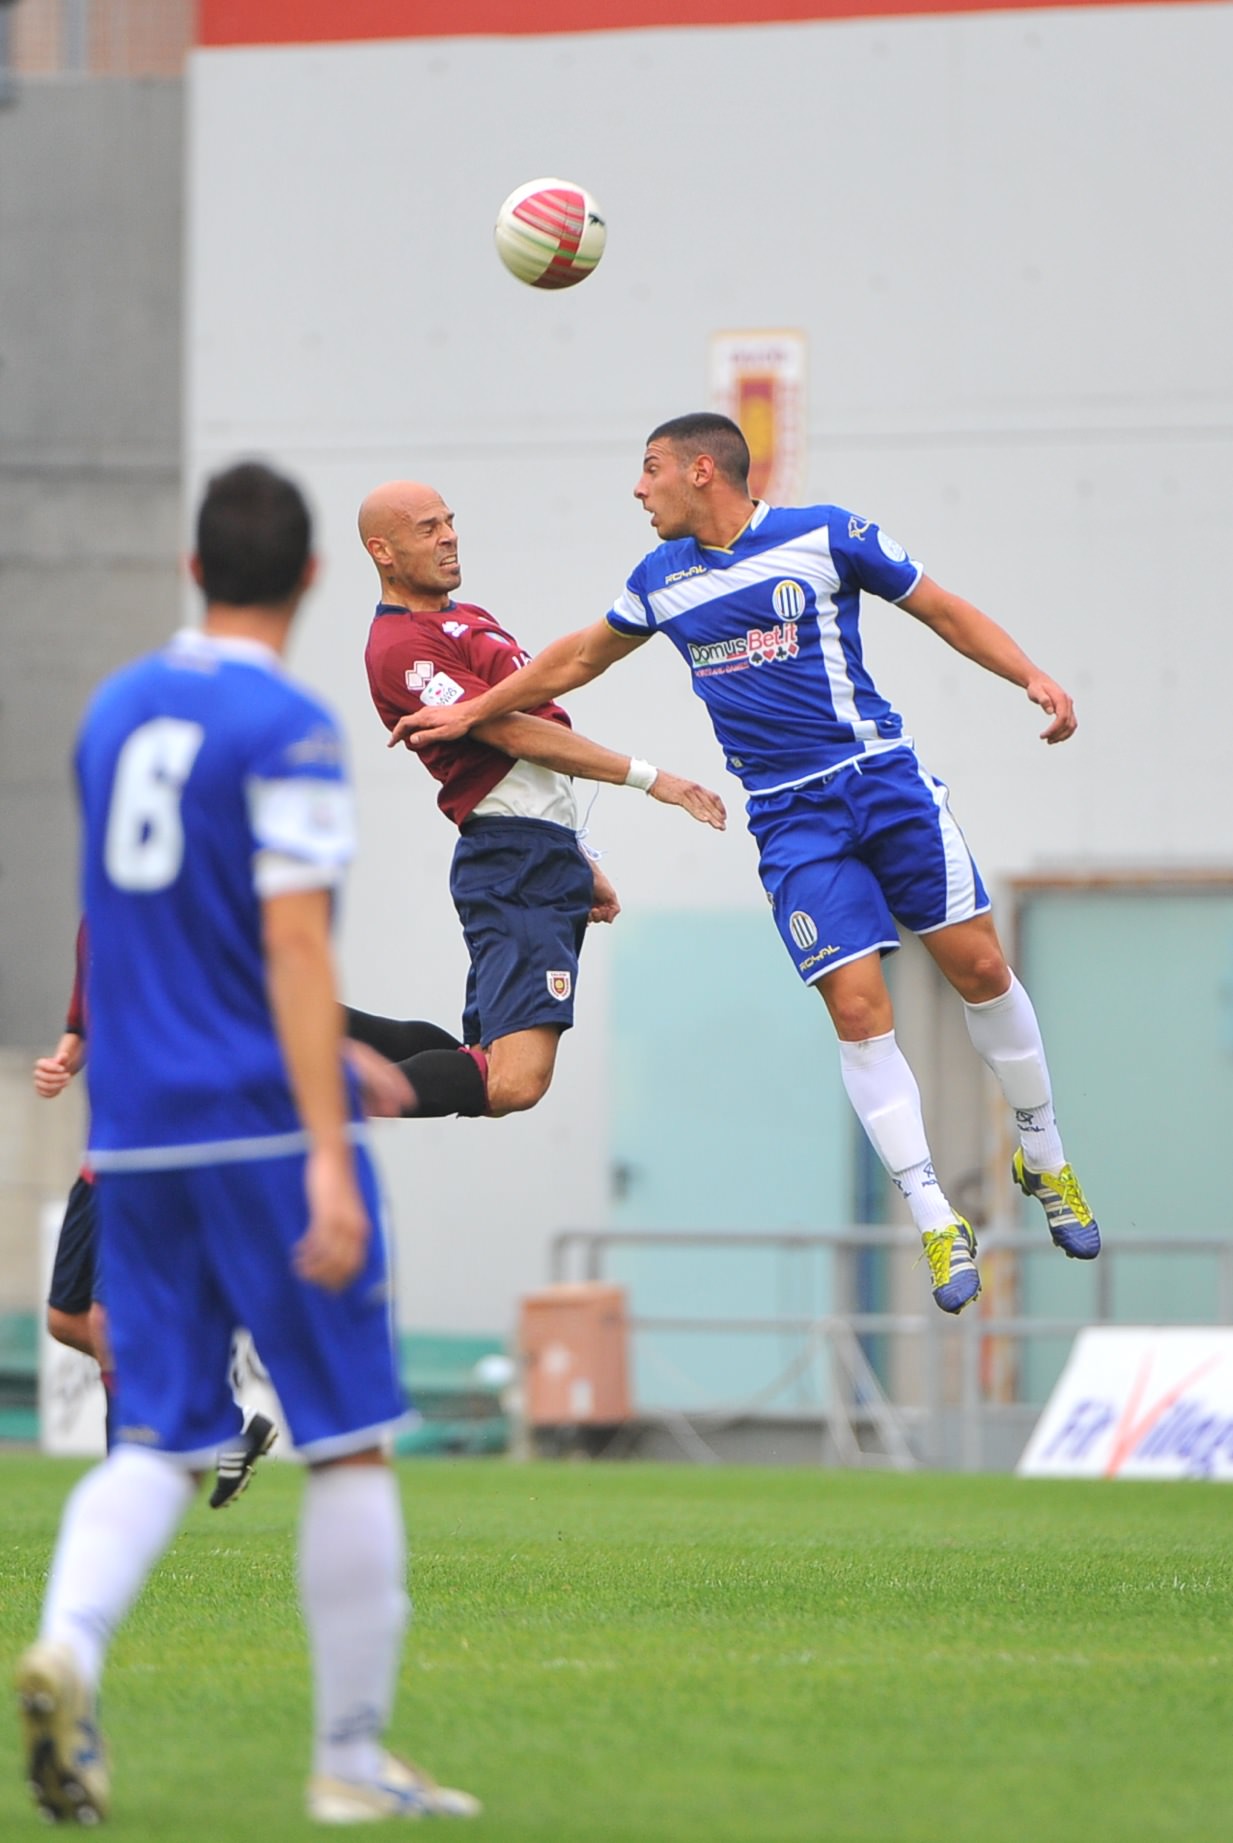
522	885
763	604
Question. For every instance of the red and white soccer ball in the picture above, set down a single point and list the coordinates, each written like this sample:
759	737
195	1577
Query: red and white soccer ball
550	233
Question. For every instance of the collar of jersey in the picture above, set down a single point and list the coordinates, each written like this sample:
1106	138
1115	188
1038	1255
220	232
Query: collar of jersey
424	614
226	646
751	524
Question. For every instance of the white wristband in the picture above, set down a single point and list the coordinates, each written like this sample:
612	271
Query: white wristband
641	775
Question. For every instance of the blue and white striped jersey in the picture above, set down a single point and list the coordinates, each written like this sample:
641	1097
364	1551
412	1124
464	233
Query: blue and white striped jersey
770	630
208	780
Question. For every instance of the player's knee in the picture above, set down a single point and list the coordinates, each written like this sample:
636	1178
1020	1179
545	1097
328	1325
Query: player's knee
984	977
857	1016
517	1091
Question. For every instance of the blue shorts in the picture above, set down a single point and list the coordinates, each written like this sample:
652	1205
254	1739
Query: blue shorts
523	891
844	858
192	1254
74	1286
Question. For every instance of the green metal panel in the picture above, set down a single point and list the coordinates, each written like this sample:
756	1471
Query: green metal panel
1134	990
728	1113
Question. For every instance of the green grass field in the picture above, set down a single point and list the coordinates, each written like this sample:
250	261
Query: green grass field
611	1652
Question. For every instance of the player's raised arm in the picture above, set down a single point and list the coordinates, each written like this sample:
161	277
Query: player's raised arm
972	633
564	664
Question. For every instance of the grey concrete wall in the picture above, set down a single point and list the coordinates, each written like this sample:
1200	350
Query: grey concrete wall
1004	237
91	201
91	188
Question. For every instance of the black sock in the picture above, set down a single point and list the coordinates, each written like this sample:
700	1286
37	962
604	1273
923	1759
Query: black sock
397	1038
445	1082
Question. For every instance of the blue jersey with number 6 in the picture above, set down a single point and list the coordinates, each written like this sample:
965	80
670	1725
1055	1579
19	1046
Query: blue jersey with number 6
208	780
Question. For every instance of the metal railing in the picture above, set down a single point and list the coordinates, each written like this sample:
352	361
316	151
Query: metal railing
952	1418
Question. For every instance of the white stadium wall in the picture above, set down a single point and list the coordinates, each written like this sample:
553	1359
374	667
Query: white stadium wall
1005	238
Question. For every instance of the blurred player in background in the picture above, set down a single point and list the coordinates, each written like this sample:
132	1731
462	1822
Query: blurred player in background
763	604
522	882
76	1315
233	1178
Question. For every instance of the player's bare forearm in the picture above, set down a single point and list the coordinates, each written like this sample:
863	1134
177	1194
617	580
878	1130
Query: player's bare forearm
563	665
971	632
304	1002
551	745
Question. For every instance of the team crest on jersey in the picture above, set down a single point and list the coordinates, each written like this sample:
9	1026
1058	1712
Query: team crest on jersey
788	601
560	985
454	628
802	928
858	527
758	646
418	675
440	689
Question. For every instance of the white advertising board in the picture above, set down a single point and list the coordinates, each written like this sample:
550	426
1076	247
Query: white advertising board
1139	1402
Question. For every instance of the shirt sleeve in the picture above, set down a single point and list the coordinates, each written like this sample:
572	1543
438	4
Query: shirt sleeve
300	806
409	681
867	557
631	612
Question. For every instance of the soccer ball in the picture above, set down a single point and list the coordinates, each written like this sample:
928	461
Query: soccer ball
550	233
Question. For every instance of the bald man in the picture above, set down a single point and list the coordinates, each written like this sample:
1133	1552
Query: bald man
522	884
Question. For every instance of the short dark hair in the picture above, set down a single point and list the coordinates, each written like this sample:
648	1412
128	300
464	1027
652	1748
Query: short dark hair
254	536
705	432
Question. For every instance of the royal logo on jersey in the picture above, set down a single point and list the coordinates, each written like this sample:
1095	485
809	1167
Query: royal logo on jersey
418	675
559	985
758	646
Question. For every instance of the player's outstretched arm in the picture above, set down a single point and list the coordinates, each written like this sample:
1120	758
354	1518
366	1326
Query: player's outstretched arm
307	1018
551	745
564	664
963	626
52	1074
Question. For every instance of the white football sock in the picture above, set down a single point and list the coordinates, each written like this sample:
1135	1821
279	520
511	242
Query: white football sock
883	1090
116	1524
1006	1035
353	1565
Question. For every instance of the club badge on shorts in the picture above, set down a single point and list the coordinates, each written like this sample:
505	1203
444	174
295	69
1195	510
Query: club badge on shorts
560	985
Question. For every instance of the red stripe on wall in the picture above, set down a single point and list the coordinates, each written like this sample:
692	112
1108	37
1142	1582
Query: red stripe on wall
300	22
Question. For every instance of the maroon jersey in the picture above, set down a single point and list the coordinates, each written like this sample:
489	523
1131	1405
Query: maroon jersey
439	658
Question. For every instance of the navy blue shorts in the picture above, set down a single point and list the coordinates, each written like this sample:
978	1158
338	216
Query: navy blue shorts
523	891
844	858
73	1274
